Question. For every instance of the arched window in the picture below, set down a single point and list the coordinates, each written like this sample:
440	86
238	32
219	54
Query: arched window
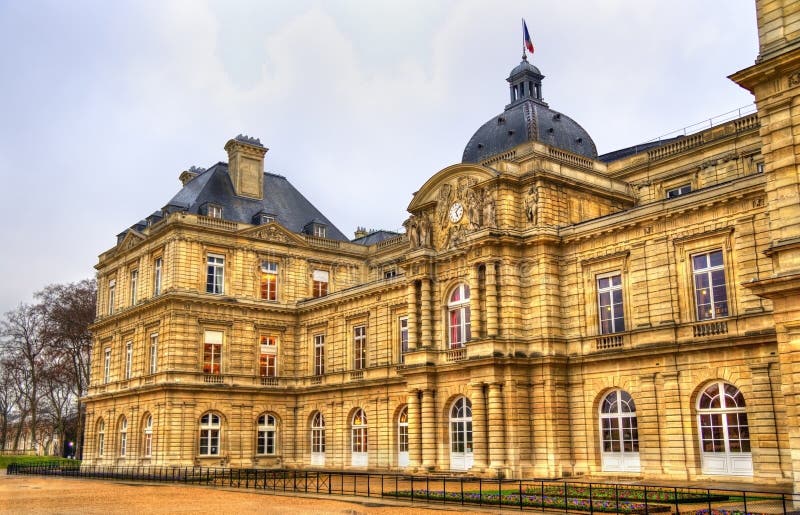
724	433
619	433
267	431
123	436
101	438
458	316
147	437
318	439
359	445
402	438
209	435
461	434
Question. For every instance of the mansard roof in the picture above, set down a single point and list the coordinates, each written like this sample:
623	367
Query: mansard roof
281	199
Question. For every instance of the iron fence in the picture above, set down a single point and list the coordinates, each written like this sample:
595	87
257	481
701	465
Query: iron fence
517	494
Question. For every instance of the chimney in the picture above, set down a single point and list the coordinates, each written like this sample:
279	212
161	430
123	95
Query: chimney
361	232
191	173
246	166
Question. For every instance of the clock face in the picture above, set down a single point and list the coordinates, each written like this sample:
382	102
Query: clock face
456	212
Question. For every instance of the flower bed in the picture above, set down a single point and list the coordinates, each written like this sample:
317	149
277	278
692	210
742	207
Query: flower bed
628	493
532	500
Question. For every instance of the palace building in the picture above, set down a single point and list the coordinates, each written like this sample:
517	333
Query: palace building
548	312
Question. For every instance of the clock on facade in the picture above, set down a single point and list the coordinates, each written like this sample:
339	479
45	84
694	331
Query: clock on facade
456	212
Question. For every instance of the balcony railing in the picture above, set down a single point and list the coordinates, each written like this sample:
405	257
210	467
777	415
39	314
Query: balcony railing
269	381
213	378
610	341
356	375
459	354
710	328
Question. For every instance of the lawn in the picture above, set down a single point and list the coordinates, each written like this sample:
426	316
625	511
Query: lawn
30	460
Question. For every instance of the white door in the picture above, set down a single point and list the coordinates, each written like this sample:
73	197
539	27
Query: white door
461	435
724	432
402	438
619	433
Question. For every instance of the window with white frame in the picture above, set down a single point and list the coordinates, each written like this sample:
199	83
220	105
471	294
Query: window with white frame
101	437
318	439
320	231
134	285
123	436
214	211
359	441
153	367
209	435
147	437
403	338
319	354
107	365
402	437
128	359
269	280
319	283
157	265
710	291
609	303
360	347
112	292
268	356
267	431
215	274
212	352
724	431
677	191
458	316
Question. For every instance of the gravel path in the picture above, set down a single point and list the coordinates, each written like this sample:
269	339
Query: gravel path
34	494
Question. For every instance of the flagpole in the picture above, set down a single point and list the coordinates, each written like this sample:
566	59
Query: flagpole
524	55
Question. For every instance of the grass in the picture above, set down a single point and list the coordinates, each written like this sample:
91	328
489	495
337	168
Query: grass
32	460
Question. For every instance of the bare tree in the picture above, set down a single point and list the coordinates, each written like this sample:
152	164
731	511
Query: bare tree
69	310
23	348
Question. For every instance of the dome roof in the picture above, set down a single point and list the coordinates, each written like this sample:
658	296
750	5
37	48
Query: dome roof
527	118
528	121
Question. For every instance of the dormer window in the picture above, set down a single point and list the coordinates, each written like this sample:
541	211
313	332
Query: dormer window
213	210
317	229
263	218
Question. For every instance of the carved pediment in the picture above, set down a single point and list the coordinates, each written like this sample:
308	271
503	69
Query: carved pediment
131	239
272	232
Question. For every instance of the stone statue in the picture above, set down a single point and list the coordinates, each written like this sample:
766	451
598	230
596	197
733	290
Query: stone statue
443	204
424	229
412	230
489	209
532	206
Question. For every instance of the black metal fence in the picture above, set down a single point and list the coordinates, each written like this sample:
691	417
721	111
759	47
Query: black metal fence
518	494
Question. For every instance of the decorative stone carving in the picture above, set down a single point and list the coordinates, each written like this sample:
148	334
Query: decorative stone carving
794	79
532	206
474	209
271	234
489	209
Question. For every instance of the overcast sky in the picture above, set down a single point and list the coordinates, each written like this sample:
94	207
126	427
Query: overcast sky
105	103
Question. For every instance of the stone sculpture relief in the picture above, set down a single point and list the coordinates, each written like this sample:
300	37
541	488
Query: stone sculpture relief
418	229
532	206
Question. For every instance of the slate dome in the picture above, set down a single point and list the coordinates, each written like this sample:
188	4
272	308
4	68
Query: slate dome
527	118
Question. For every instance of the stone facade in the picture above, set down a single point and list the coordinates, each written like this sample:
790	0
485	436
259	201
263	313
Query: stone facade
516	362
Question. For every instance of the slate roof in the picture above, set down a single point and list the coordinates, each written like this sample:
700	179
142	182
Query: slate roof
629	151
525	121
282	200
375	237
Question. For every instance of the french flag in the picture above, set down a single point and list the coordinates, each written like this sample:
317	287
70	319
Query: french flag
526	37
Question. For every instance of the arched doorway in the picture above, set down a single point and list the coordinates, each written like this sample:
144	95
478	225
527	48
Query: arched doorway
461	434
402	438
619	433
724	433
360	455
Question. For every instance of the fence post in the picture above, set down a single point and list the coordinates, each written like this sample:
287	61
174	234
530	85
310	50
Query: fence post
520	495
708	498
591	500
566	508
744	500
412	489
646	509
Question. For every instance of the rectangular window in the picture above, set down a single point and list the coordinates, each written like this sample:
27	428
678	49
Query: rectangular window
269	280
268	356
212	352
134	283
388	274
610	305
214	211
128	359
157	276
101	443
319	354
677	191
319	231
107	365
215	276
112	290
153	353
710	292
403	338
359	347
320	286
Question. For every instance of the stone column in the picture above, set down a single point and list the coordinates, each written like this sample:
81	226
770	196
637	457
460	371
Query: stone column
649	423
426	339
764	440
479	434
429	440
412	315
512	299
672	434
474	303
414	430
496	428
491	300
